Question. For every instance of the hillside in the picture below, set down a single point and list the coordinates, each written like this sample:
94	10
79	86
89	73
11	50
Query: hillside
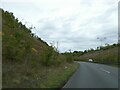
18	41
106	56
28	61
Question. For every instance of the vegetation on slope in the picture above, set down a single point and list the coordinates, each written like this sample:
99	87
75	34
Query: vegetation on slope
27	60
107	55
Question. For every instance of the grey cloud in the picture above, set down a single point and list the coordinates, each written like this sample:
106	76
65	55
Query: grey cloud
86	33
77	29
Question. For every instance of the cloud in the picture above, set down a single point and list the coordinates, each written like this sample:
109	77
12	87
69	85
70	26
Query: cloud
76	24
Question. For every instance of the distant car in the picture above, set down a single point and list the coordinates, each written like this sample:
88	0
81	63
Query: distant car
90	60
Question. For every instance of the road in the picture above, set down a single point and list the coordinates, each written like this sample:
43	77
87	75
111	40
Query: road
92	75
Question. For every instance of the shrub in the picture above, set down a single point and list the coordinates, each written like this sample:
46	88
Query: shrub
46	56
69	58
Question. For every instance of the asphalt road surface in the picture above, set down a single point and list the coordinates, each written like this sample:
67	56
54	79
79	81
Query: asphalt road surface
92	75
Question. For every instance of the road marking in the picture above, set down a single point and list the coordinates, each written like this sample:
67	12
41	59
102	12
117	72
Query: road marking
105	70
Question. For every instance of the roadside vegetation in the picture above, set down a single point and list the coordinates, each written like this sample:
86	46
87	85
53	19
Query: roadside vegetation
28	61
107	55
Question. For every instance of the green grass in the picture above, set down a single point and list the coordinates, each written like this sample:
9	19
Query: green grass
28	61
56	78
109	56
37	76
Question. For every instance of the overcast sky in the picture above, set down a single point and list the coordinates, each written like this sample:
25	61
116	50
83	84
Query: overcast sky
75	24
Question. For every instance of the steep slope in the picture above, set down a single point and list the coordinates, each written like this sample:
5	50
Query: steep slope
18	41
28	61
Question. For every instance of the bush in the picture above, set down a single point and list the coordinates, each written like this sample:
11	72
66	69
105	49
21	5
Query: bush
69	58
60	59
46	56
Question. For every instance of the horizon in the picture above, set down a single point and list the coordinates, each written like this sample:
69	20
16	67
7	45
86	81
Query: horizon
67	24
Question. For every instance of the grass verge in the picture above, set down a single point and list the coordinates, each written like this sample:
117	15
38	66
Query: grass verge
38	76
58	76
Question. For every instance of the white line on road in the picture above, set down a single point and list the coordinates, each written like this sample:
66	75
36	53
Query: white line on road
105	70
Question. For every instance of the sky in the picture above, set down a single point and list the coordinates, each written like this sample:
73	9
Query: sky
74	24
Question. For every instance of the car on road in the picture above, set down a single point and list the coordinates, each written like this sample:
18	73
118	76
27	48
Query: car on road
90	60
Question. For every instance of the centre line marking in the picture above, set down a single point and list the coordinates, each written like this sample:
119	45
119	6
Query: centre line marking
105	70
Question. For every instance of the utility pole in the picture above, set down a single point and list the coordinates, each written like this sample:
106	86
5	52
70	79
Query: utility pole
57	46
118	39
70	50
101	40
57	52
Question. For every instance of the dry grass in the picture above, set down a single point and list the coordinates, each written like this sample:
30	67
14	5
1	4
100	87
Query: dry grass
109	56
28	76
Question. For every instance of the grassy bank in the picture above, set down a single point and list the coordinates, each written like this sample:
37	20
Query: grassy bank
37	76
109	56
28	61
57	77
